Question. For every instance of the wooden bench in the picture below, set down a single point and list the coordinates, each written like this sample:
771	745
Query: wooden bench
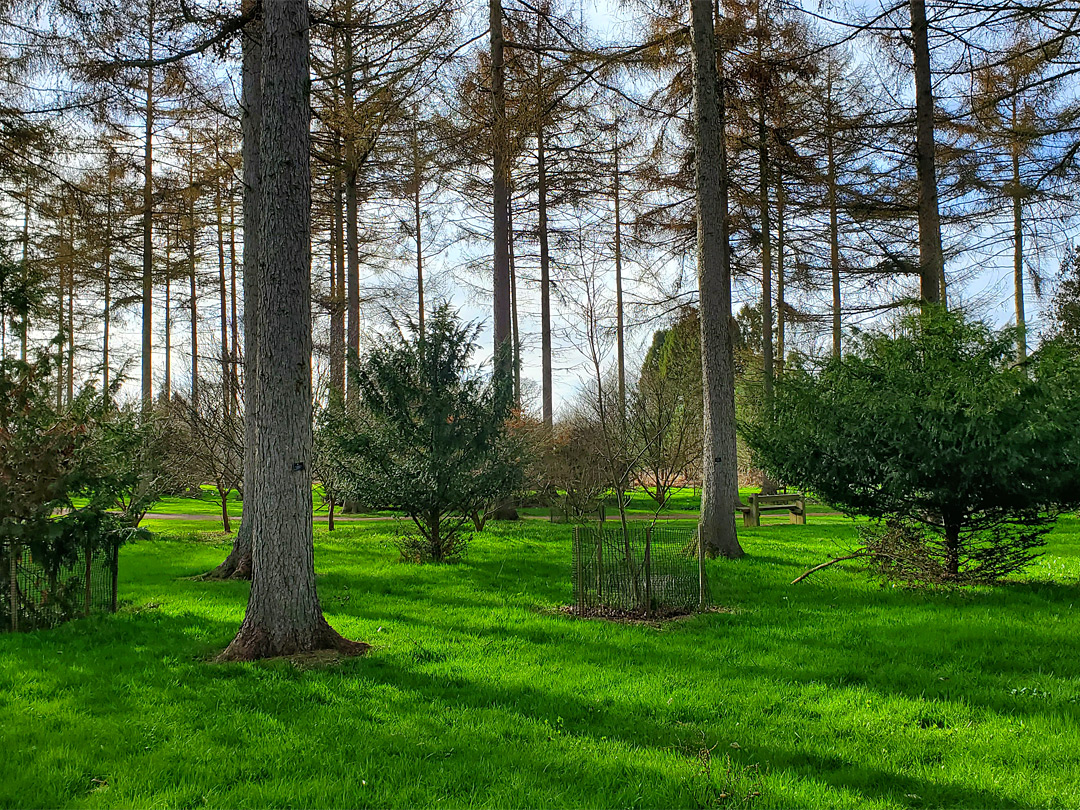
792	502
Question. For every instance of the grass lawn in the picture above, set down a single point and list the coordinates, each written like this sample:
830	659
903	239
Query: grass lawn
833	693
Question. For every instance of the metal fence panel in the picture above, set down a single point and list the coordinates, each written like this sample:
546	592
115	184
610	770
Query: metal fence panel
36	595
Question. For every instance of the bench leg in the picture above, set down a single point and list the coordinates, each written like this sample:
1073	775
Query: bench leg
798	518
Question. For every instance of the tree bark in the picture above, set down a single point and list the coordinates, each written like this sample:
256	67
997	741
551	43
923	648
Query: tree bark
192	290
351	208
223	297
167	390
418	183
546	376
781	320
284	616
148	227
500	226
720	480
931	259
620	324
107	269
1018	249
834	244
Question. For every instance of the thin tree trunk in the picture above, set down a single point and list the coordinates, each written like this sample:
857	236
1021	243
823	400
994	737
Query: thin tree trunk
283	615
107	270
192	226
71	309
781	320
148	227
1018	252
337	326
351	212
238	565
834	245
720	466
620	325
168	313
766	256
547	380
234	358
418	181
931	259
223	298
501	259
24	337
515	323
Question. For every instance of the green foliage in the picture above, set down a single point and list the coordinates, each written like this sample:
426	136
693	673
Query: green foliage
1065	305
60	470
934	429
665	409
429	437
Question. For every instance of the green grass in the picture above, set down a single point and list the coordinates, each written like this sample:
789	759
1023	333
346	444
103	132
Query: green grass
833	693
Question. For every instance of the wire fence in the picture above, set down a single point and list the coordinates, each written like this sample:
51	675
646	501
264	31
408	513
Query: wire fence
36	594
637	570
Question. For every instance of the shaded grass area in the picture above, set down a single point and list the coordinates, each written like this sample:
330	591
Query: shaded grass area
833	693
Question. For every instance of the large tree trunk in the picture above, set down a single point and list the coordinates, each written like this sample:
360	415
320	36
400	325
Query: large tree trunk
500	226
931	258
719	462
148	227
283	614
238	565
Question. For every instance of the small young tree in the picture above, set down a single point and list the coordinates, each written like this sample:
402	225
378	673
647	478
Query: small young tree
430	435
665	416
962	455
207	445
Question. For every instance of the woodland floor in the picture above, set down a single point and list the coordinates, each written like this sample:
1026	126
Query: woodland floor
480	692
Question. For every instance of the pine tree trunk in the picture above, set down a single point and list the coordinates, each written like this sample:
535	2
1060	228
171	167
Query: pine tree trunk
194	312
768	486
167	390
418	182
931	259
515	322
620	324
546	375
283	616
1018	259
107	293
719	462
834	246
148	228
223	299
781	320
351	207
234	355
500	231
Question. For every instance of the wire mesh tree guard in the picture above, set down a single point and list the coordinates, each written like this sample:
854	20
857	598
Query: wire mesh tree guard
38	594
637	570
